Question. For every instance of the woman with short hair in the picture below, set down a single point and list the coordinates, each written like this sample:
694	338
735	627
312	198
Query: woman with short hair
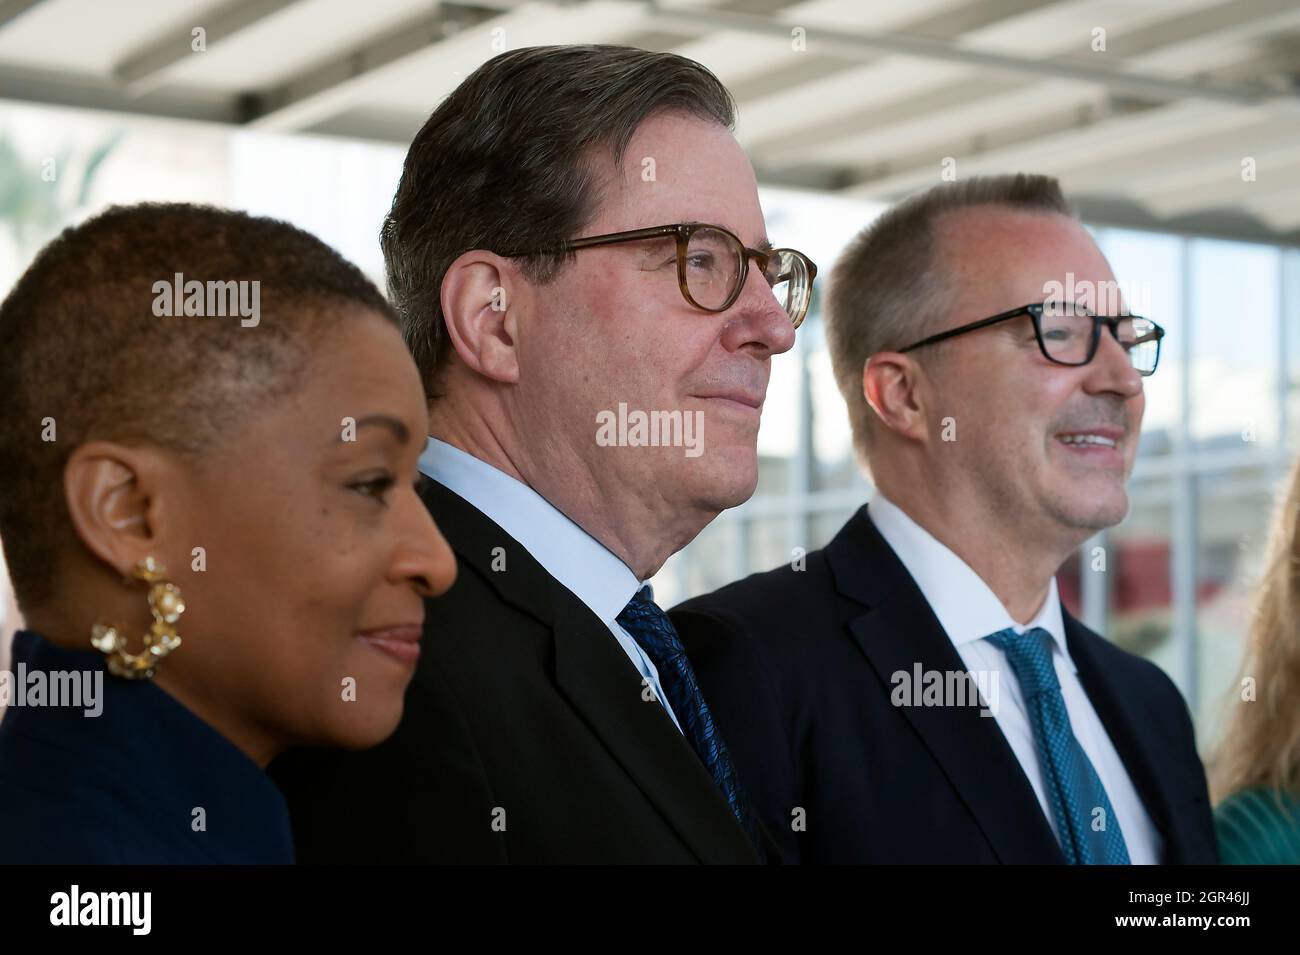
208	444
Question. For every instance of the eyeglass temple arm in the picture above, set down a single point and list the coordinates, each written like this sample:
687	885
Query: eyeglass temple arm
962	329
587	242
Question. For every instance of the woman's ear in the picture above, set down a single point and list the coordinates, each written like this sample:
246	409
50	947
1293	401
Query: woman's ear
892	384
481	313
112	493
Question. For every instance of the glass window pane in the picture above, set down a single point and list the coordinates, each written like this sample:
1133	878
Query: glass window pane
1069	584
1234	312
768	544
836	465
1149	271
1233	511
778	430
704	566
826	525
1138	564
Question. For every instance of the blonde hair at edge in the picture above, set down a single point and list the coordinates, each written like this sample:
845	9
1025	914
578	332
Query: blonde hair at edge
1261	745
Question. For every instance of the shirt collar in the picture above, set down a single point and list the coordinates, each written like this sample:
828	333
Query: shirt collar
568	553
967	608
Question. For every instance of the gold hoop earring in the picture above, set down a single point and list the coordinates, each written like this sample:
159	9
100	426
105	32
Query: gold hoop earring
166	605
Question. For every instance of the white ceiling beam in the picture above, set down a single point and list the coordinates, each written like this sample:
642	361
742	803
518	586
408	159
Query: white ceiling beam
1278	210
443	55
1206	39
146	69
22	84
13	9
843	129
852	45
851	99
1220	185
1195	161
738	56
934	122
1076	148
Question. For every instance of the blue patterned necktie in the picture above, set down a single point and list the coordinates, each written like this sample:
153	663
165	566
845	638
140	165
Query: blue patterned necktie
1074	789
655	634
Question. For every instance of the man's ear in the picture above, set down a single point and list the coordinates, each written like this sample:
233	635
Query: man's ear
895	389
482	315
112	496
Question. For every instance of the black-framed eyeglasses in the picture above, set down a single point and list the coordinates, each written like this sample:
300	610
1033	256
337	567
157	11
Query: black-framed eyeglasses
1068	334
713	264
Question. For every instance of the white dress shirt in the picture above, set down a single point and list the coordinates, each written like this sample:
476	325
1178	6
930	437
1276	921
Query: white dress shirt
568	553
969	611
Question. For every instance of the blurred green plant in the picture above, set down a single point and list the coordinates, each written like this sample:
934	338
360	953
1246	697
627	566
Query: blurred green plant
32	207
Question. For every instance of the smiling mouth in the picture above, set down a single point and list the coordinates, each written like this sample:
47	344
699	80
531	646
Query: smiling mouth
745	401
1088	439
1096	446
401	643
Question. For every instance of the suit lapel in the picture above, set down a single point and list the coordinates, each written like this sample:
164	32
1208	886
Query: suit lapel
600	682
1126	729
896	631
480	542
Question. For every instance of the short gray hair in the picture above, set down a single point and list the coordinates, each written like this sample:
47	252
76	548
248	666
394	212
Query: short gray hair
888	287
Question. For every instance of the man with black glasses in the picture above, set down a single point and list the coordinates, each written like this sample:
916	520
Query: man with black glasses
916	692
576	241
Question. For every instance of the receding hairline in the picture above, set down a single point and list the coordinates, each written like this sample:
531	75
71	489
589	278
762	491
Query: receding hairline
946	243
945	220
893	268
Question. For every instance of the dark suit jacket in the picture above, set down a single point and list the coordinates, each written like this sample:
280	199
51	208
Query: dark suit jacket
796	666
524	702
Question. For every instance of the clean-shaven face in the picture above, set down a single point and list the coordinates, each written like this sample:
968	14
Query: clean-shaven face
615	329
320	553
